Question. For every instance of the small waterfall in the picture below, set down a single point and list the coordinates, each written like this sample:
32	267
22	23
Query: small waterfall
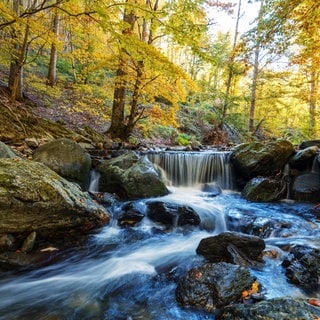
192	168
94	181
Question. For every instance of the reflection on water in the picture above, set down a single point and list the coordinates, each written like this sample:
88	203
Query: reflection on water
131	273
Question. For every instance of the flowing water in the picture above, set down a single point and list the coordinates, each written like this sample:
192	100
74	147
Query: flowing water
132	273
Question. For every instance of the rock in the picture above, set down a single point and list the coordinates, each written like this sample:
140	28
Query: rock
6	152
273	309
212	189
130	176
303	267
7	243
303	159
309	143
28	243
241	220
213	285
171	214
264	190
256	159
67	158
232	247
306	187
35	198
130	215
32	143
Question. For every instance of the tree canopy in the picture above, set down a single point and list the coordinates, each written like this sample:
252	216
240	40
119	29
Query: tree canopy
163	70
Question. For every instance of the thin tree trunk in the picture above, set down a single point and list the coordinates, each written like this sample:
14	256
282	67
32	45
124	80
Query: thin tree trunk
16	70
230	69
313	103
52	72
255	72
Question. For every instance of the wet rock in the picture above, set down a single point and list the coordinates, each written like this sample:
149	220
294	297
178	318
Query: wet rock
303	159
303	267
29	242
273	309
8	243
232	247
130	215
130	176
264	190
35	198
67	158
309	143
306	187
251	223
6	152
256	159
213	285
171	214
212	189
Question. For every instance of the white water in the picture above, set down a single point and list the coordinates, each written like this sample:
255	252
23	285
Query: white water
123	274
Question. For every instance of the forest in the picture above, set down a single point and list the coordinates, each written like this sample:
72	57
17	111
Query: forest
163	70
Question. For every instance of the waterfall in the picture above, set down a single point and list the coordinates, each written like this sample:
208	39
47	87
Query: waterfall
94	181
192	168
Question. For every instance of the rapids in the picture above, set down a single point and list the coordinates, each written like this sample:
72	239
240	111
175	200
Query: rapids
131	273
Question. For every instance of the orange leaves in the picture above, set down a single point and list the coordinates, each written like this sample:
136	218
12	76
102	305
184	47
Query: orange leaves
246	294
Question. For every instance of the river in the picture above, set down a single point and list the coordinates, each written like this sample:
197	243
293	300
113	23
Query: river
132	273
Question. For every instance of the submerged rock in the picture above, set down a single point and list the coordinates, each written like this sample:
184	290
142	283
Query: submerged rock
131	176
35	198
273	309
213	285
67	158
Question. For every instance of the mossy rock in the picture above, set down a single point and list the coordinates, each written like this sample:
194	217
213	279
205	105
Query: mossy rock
131	176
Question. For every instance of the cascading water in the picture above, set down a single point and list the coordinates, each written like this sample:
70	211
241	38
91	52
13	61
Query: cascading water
192	168
131	273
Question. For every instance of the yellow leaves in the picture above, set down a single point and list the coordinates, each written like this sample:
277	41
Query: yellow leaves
246	294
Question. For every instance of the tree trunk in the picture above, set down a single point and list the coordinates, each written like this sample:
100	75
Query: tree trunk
313	103
52	72
230	69
255	72
118	128
16	70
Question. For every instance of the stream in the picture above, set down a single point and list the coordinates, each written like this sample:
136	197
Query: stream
131	273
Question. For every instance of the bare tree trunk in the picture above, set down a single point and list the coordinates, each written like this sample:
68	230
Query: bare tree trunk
52	72
255	72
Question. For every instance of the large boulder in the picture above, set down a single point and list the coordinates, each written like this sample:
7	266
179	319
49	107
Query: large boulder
303	159
131	176
213	285
273	309
67	158
264	190
232	247
35	198
306	187
256	159
6	152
